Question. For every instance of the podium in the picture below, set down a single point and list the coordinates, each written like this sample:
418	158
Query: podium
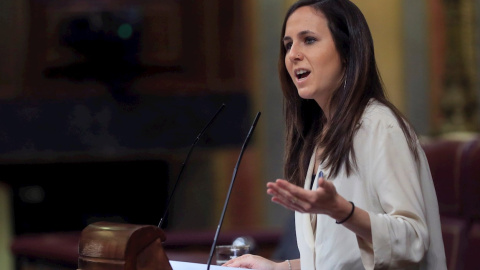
118	246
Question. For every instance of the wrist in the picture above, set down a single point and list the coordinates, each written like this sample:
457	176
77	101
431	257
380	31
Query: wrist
342	210
350	214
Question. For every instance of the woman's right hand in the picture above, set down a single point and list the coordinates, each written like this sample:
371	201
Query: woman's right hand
250	261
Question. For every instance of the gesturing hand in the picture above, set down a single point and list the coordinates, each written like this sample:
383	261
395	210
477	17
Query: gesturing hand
323	200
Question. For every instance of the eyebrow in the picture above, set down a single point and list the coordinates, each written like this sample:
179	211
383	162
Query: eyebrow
302	33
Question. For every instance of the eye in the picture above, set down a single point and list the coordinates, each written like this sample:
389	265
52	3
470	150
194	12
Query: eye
287	45
310	40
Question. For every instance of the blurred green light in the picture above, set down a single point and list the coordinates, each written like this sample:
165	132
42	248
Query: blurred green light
125	31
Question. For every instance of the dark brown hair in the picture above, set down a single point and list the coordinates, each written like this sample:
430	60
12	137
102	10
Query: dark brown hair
305	120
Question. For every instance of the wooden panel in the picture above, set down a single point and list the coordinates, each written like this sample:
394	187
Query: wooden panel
89	48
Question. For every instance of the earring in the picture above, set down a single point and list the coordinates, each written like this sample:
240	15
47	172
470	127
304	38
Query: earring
345	82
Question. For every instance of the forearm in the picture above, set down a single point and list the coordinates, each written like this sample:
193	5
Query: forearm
358	222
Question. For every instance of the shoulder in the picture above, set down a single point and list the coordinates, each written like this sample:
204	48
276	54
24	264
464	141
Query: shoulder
377	113
379	121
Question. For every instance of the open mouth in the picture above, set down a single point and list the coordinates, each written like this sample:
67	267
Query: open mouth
302	74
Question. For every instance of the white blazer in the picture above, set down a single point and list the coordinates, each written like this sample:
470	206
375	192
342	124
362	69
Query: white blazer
396	191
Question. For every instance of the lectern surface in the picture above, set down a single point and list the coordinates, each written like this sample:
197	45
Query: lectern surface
177	265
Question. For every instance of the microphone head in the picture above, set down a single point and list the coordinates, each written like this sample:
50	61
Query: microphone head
245	241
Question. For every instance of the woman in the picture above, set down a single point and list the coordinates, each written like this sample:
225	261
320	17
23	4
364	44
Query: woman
358	180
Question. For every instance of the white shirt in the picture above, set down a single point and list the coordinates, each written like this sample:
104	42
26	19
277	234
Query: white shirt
396	191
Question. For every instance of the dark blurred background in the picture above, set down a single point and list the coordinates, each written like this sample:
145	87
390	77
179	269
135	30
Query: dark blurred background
112	96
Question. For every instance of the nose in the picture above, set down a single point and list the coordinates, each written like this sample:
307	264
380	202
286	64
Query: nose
294	54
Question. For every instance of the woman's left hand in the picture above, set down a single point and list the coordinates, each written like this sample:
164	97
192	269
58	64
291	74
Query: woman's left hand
323	200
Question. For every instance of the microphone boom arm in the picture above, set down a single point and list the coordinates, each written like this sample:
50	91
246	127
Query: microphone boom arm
185	162
247	139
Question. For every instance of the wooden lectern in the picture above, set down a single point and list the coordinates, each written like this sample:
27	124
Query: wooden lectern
118	246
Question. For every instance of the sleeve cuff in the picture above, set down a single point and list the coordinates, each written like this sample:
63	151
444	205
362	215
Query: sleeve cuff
378	254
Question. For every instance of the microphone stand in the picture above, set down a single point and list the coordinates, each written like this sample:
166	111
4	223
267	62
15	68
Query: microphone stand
230	189
185	162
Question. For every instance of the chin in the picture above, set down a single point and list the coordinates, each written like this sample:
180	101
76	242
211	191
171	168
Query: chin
305	95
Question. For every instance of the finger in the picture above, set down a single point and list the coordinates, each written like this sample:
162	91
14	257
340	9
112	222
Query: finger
288	205
288	202
279	184
291	188
290	195
244	261
275	190
326	186
284	196
283	187
231	263
321	182
228	263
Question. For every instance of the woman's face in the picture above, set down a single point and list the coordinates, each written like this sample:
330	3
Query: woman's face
311	57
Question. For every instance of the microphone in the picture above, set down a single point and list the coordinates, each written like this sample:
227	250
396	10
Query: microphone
185	162
230	189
